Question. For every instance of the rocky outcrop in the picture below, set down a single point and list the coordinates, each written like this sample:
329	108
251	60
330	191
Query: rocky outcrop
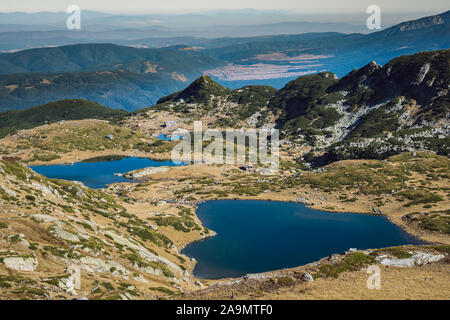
144	253
91	264
417	259
137	174
21	263
43	218
60	233
307	277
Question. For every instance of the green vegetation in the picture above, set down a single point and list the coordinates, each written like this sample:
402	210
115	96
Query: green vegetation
137	227
434	221
378	121
352	262
84	137
420	197
140	263
302	102
30	291
445	248
200	91
185	223
397	252
44	156
252	99
382	177
62	253
107	286
12	121
158	146
163	290
117	76
284	281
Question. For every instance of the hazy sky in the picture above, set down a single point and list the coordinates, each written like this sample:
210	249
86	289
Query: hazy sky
175	6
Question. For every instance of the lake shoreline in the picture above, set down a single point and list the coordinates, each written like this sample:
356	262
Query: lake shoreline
412	239
280	197
269	197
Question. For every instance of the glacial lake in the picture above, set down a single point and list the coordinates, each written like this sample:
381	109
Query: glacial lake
98	174
259	236
168	138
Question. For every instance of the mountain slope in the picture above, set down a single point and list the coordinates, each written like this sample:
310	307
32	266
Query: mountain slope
117	76
372	112
83	57
119	89
199	91
11	121
65	225
218	106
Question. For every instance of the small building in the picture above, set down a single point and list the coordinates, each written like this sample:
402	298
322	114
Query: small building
248	168
169	124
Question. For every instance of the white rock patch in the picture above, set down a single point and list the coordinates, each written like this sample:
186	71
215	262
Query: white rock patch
418	259
144	172
21	264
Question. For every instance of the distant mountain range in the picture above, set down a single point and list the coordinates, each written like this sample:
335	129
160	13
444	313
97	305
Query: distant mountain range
132	78
117	76
94	57
21	31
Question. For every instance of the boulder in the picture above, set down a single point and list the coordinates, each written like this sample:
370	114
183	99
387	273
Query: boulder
307	277
21	263
137	174
44	218
60	233
334	258
91	264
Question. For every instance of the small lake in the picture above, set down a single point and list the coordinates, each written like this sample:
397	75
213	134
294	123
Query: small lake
98	174
168	138
260	236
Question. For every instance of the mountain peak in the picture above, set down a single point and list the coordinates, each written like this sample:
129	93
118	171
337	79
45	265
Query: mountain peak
204	82
199	91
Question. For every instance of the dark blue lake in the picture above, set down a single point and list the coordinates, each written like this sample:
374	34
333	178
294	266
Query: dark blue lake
98	174
259	236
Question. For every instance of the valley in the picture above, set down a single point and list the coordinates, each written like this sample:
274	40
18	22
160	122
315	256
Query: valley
371	145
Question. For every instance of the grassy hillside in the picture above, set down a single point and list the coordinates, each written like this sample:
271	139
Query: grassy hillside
11	121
